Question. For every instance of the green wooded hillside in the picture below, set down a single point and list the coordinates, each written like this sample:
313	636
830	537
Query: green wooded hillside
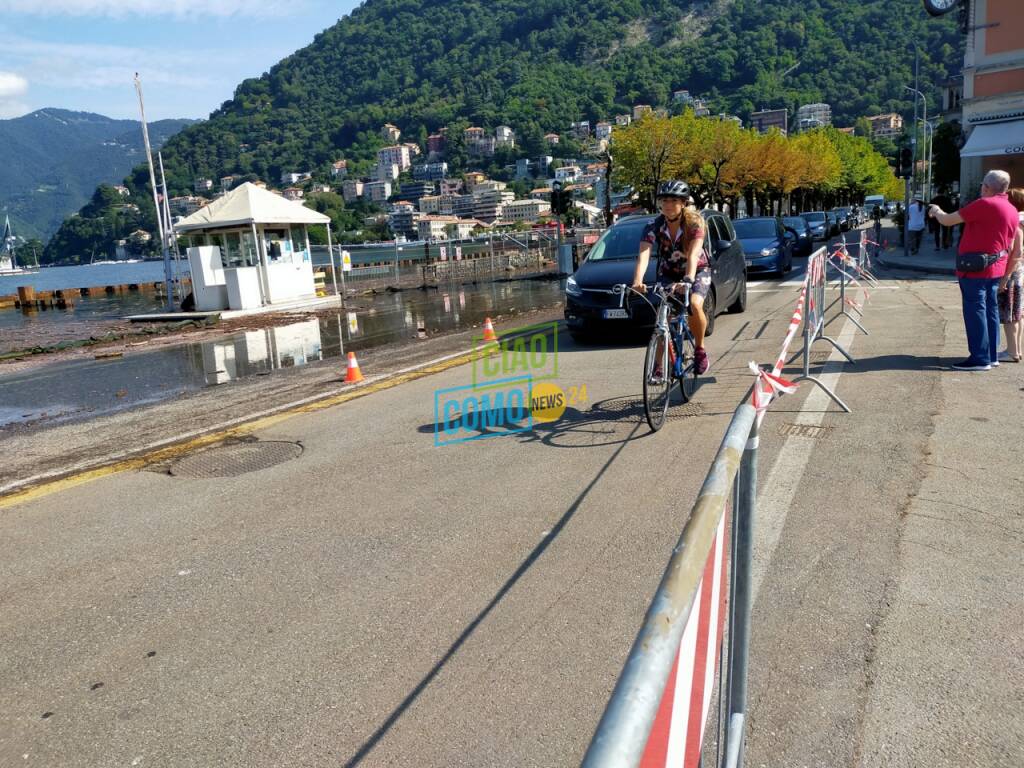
536	65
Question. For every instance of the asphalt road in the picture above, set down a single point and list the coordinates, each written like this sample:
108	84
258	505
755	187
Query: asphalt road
380	600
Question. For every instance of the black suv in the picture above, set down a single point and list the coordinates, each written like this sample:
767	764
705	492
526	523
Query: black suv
590	304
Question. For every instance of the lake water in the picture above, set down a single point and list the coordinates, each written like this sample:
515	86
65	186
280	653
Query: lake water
87	276
86	388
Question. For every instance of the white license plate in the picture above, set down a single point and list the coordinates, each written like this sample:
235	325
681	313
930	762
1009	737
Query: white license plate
615	314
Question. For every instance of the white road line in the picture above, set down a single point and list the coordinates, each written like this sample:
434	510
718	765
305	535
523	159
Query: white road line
774	501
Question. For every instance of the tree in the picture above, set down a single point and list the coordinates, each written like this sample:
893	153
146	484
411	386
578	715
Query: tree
649	151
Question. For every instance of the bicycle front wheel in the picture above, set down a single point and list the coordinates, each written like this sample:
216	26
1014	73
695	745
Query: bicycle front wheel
688	379
657	380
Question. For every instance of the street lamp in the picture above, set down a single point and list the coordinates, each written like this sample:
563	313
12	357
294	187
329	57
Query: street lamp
928	166
925	118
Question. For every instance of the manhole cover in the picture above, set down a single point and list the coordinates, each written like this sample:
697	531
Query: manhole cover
234	459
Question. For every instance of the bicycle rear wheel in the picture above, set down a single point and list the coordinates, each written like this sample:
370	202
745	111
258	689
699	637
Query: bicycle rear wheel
688	379
657	380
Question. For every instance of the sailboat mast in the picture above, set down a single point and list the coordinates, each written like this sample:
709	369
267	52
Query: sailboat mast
172	238
168	288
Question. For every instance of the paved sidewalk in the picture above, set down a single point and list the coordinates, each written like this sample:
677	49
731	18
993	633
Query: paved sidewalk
927	259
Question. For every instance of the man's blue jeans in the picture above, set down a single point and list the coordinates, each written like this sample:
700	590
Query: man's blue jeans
981	317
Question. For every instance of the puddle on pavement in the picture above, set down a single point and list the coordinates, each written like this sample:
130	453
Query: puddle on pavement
87	388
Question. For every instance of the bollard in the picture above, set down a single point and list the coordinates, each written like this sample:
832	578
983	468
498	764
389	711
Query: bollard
26	294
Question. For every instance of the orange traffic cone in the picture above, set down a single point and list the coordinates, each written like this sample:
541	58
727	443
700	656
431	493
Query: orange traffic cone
489	334
353	374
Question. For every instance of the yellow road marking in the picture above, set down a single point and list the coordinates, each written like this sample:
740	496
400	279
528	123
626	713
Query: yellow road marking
173	451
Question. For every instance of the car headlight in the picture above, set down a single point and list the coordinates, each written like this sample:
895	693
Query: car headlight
769	251
572	288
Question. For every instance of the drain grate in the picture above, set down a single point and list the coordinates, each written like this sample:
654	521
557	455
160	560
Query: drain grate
691	408
803	430
633	407
233	459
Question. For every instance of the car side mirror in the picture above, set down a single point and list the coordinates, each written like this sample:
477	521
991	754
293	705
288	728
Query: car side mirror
722	245
790	234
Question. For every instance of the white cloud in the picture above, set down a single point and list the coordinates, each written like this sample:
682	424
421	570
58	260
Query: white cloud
12	85
126	8
87	66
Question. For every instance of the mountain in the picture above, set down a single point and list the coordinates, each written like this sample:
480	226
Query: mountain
537	65
52	159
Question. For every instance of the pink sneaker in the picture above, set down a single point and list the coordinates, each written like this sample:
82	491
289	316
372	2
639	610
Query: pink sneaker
700	360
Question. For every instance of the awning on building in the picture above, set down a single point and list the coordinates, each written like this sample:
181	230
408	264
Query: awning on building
995	139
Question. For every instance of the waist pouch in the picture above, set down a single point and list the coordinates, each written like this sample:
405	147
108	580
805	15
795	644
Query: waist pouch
977	262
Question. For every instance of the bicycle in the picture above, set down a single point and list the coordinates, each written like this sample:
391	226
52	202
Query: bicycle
670	353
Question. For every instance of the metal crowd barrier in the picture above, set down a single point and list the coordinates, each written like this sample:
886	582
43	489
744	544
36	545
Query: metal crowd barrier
843	263
658	711
814	322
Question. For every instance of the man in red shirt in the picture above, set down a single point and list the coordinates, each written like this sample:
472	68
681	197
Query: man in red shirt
990	223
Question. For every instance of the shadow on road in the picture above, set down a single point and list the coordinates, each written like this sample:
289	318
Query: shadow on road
530	559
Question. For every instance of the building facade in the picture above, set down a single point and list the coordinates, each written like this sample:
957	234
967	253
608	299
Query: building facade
811	116
888	126
430	171
397	155
377	191
767	119
993	94
414	190
351	190
435	227
524	210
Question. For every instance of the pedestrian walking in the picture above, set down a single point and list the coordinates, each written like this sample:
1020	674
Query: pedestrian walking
943	235
915	224
1011	286
990	225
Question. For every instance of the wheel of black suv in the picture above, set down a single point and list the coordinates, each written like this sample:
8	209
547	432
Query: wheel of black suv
709	312
740	305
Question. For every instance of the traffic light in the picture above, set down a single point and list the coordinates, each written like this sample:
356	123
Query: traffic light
566	200
904	163
561	200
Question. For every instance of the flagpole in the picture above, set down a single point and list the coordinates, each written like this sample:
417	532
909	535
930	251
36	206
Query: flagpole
156	202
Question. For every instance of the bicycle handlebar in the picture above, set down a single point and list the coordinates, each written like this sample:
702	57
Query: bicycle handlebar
657	288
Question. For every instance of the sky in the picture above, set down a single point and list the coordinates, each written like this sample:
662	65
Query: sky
190	54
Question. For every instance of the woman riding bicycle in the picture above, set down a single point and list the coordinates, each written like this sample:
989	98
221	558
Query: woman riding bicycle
677	237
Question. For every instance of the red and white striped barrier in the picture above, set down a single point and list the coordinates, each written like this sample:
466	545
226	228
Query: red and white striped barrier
677	735
769	385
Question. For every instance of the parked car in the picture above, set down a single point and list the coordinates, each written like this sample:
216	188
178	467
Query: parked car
767	246
818	223
804	236
845	218
890	207
833	224
591	306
